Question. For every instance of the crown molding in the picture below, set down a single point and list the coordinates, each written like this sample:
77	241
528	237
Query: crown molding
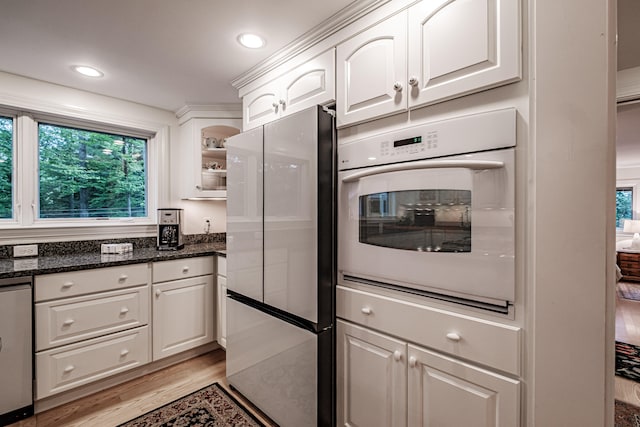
335	23
221	111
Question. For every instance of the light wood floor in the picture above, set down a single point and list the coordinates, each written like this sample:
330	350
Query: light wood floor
136	397
628	330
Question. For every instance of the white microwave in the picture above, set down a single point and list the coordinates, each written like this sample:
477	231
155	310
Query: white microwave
430	210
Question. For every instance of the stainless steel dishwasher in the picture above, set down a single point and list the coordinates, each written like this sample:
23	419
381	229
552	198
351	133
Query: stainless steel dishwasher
16	350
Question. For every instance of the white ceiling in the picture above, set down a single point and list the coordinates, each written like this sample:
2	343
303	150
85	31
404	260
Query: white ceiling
163	53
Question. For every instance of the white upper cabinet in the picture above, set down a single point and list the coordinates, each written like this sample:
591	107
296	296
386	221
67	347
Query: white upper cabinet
433	51
371	72
462	46
309	84
203	157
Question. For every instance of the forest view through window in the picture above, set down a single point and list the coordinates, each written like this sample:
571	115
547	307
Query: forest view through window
624	205
89	174
6	167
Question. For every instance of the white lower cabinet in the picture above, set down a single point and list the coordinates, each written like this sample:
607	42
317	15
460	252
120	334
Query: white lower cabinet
183	310
89	325
70	366
384	381
372	378
222	302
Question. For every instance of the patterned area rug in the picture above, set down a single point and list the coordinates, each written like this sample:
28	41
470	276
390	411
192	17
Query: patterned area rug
627	415
628	361
211	406
629	291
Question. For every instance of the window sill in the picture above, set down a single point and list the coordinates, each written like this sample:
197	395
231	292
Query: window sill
46	232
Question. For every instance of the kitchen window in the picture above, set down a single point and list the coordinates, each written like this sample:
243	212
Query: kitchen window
71	174
6	167
90	174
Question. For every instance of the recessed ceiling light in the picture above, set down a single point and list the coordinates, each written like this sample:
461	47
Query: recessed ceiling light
252	41
87	71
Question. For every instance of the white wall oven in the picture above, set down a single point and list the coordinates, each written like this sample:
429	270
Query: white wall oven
429	209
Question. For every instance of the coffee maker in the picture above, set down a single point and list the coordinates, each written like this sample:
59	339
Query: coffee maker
170	229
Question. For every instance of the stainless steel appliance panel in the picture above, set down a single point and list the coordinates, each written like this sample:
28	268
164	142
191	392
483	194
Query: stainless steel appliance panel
16	352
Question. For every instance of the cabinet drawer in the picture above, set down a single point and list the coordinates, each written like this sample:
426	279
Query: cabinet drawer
74	365
69	320
481	341
182	268
59	285
222	266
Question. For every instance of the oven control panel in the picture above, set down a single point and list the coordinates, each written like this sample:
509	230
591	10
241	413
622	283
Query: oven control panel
460	135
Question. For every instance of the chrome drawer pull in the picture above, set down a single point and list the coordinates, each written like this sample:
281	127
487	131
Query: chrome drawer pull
68	322
68	369
124	352
67	285
185	269
124	310
158	292
366	311
123	278
453	336
397	355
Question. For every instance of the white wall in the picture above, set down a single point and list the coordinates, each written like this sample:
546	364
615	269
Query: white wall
34	95
570	271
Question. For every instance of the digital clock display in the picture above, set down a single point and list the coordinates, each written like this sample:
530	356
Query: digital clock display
407	141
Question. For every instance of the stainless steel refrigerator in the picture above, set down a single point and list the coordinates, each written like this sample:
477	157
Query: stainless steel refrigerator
281	234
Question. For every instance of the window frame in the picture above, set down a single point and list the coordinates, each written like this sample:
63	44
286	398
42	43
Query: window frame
25	226
12	114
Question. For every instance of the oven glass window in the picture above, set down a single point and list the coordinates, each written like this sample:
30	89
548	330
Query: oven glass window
417	220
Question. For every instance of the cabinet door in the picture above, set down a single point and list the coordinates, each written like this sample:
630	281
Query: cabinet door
222	311
371	377
371	72
203	156
447	392
462	46
182	315
310	84
261	106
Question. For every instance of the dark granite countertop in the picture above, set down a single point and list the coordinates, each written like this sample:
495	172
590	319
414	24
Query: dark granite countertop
20	267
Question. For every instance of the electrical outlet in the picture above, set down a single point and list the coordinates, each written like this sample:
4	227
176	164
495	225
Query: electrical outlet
25	250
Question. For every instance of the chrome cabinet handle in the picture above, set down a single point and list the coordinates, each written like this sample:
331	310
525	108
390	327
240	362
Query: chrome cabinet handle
413	81
67	285
397	355
397	86
425	164
68	322
68	369
185	269
124	310
158	292
124	352
122	278
366	311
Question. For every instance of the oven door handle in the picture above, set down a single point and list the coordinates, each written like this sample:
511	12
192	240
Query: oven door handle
424	164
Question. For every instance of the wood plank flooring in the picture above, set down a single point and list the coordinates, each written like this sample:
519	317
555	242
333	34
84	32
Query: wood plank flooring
136	397
628	330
